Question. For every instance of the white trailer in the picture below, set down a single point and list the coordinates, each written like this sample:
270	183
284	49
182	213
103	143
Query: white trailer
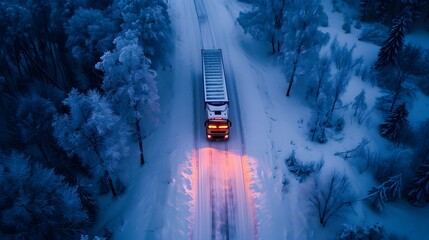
215	95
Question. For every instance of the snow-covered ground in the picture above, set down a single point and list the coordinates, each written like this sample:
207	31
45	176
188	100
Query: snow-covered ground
161	201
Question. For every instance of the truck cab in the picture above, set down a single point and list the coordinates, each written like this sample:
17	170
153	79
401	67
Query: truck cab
217	125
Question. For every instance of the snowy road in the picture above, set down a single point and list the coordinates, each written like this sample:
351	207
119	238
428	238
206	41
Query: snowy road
224	209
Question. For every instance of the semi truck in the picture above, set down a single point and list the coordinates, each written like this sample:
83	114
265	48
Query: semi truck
215	95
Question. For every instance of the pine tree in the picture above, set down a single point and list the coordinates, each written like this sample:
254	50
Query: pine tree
389	190
396	123
378	196
418	195
392	46
394	187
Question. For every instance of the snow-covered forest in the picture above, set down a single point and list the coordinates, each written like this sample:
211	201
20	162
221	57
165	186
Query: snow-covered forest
77	86
89	90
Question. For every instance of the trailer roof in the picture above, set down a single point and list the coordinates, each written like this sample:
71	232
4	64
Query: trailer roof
214	76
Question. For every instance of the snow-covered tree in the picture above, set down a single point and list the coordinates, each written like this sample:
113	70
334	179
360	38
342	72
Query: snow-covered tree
302	40
323	73
319	118
418	194
351	232
344	63
360	106
302	170
93	132
265	21
395	124
129	83
392	46
331	196
35	203
149	20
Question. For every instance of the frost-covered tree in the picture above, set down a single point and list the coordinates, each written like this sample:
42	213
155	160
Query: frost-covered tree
265	21
323	73
344	63
130	83
149	20
392	46
302	170
331	197
360	106
319	118
35	203
418	194
93	132
302	40
90	33
395	124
